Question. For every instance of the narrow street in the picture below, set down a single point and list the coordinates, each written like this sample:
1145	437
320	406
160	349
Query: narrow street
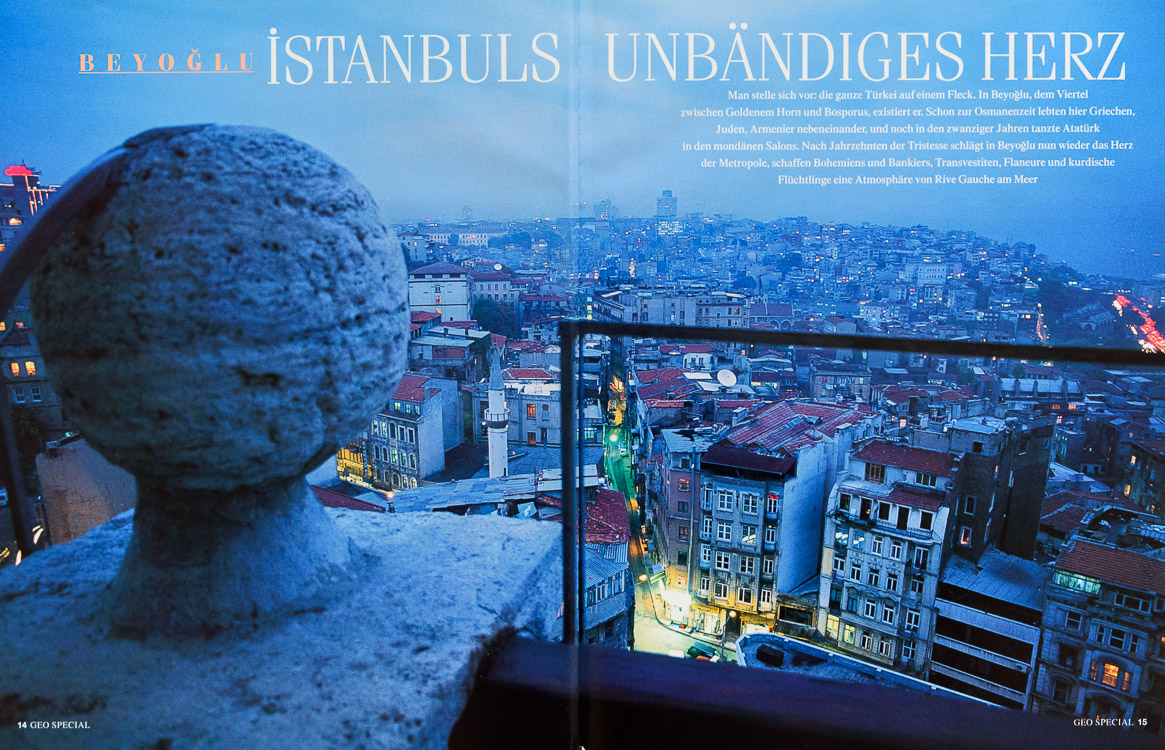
650	634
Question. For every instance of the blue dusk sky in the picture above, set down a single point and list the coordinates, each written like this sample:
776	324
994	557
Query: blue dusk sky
523	149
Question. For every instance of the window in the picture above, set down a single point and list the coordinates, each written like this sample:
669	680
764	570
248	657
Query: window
838	564
903	518
683	536
18	395
706	529
412	460
724	531
855	571
884	647
976	447
965	536
871	610
750	502
912	618
684	485
705	554
1072	620
771	535
748	534
875	473
847	634
851	603
1060	690
1111	675
921	557
771	504
744	595
724	500
722	560
747	565
767	566
927	480
877	545
766	596
682	507
867	641
896	549
907	651
682	561
926	521
721	590
1122	600
840	538
892	582
15	368
884	510
1067	655
30	368
394	457
704	586
888	614
872	576
916	584
969	504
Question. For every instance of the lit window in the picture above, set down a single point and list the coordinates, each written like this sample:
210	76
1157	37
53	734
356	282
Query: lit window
965	536
30	367
15	369
531	411
684	485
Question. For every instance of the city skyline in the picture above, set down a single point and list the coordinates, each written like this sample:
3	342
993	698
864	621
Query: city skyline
531	148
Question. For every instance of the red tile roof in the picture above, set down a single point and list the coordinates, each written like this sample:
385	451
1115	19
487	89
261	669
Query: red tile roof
916	497
790	425
333	499
420	316
1118	566
527	373
411	388
907	457
607	521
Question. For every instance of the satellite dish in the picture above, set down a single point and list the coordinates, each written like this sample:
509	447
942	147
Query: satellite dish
497	266
726	378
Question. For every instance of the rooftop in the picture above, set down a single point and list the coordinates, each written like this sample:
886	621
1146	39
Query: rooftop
907	457
1113	565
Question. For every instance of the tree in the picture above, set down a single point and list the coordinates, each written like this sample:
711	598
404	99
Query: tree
496	318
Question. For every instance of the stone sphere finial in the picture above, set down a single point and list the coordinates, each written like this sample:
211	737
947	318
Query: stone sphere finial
218	319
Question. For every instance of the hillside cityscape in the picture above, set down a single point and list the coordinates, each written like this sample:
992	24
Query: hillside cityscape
992	529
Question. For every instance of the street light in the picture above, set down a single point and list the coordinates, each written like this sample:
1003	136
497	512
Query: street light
724	631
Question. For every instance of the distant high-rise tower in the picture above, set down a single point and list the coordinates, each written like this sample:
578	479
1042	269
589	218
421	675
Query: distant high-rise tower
665	205
497	420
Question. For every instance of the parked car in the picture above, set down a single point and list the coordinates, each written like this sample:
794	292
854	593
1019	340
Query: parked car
698	649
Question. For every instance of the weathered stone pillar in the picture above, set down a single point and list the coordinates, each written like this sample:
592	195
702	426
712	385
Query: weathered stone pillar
223	314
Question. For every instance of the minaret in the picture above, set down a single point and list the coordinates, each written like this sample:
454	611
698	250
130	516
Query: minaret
497	419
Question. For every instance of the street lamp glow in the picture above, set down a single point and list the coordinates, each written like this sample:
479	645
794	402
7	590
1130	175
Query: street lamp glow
614	438
642	577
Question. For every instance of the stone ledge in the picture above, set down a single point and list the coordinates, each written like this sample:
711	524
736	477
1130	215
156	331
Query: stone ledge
386	661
